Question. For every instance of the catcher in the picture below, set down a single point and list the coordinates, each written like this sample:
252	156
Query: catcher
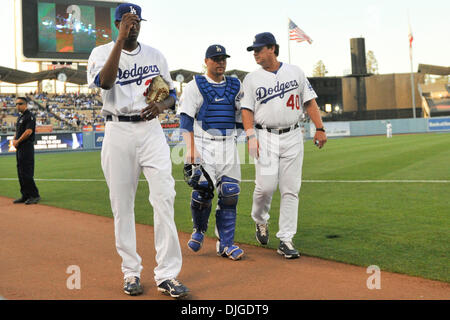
209	112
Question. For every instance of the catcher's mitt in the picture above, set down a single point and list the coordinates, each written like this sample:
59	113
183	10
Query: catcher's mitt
157	91
192	174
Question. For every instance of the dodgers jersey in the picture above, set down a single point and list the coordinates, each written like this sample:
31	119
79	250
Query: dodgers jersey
192	100
136	69
277	99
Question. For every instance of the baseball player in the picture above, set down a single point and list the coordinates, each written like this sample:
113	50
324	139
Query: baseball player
208	110
388	129
134	142
273	102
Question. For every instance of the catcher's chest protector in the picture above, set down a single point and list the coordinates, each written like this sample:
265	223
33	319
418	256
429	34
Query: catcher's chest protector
218	109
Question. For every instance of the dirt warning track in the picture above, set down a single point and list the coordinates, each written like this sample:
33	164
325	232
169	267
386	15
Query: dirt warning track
43	246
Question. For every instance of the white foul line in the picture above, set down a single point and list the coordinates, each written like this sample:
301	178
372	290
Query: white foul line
307	181
378	181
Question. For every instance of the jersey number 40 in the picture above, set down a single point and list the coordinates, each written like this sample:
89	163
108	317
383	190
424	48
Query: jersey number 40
293	102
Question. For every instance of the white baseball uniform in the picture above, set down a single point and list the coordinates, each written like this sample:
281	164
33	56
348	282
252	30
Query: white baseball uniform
276	99
130	148
220	156
389	130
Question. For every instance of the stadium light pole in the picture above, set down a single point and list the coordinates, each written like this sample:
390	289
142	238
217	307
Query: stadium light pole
15	41
413	91
289	43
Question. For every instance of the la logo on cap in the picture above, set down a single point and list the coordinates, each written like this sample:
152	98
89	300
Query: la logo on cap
132	10
218	49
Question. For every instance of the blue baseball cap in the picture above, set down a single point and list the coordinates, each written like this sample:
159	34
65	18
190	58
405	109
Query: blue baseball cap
261	40
216	50
128	8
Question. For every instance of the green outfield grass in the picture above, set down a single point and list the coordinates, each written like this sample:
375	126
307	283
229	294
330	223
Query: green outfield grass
399	226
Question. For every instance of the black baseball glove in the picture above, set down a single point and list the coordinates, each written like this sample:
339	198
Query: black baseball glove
192	174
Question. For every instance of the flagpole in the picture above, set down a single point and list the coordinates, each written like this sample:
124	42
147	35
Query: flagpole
412	84
413	91
289	43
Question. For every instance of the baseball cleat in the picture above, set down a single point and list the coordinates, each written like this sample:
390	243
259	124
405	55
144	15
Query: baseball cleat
20	200
287	249
132	286
174	288
262	233
233	252
196	241
33	200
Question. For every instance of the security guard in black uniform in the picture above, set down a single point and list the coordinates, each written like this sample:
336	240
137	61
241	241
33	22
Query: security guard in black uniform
24	143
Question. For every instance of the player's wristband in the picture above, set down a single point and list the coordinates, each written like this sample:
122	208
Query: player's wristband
251	136
320	129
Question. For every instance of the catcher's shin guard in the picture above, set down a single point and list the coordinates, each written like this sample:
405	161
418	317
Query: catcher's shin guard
200	210
228	191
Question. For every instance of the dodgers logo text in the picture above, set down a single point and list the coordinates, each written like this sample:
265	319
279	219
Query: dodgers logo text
265	94
137	74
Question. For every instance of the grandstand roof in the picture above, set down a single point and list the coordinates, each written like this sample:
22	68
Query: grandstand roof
239	73
436	70
188	75
13	75
79	76
18	77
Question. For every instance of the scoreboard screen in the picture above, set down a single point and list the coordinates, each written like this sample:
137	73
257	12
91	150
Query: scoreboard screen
65	29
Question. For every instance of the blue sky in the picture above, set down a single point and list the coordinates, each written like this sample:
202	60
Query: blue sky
183	30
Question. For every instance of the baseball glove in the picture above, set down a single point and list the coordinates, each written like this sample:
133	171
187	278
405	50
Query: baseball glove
192	174
157	91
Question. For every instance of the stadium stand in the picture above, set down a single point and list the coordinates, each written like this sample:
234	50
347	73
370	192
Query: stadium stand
435	99
68	111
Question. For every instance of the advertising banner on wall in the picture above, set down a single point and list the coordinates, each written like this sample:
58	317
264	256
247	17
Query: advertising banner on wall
438	124
333	129
99	127
99	139
173	136
88	128
60	141
4	142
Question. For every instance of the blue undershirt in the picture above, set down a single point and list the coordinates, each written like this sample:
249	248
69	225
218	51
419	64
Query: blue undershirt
186	122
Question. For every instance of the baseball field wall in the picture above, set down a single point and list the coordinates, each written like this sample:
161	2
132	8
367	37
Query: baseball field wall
78	141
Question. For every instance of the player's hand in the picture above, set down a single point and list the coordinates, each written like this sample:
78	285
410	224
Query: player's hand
152	110
253	147
15	143
129	20
320	138
192	157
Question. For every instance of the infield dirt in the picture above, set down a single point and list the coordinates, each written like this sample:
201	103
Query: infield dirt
41	243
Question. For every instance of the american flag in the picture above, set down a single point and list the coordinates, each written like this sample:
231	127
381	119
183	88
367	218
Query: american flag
297	34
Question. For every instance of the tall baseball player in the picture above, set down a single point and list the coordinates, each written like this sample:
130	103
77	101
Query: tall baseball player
208	110
134	142
273	102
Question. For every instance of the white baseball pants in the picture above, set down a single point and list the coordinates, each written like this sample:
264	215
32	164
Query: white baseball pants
130	148
219	157
279	164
